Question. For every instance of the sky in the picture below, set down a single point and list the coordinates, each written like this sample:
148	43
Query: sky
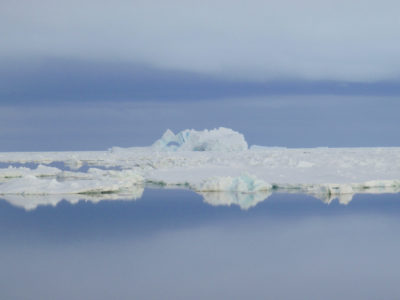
127	50
89	75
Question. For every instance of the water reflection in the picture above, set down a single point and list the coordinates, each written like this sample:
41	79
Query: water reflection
173	244
31	202
243	200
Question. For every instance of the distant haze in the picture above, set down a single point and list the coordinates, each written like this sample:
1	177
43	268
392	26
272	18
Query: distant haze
253	40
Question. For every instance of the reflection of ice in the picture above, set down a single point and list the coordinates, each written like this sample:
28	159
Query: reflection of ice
241	184
328	198
343	193
326	193
31	202
243	200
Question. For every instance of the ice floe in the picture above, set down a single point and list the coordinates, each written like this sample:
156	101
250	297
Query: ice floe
49	180
17	172
207	161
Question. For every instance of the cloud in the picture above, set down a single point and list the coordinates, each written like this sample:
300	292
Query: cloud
54	80
242	40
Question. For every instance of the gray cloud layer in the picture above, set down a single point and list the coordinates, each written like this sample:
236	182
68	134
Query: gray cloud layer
251	40
77	80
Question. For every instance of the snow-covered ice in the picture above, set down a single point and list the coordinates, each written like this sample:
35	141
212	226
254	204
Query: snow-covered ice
207	162
221	139
94	181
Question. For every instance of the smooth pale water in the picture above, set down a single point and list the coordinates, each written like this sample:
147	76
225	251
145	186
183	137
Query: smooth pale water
171	245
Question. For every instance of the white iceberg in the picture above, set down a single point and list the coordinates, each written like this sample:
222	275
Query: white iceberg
221	139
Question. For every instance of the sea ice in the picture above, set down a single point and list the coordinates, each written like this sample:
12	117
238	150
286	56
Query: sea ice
217	160
49	180
16	172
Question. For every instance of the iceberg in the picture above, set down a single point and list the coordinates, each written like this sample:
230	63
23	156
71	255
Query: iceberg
221	139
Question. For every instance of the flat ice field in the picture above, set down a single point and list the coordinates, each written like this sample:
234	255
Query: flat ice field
206	161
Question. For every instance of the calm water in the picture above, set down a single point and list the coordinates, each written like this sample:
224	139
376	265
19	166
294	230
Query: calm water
170	244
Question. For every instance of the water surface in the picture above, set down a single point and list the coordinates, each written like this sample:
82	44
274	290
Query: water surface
171	244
